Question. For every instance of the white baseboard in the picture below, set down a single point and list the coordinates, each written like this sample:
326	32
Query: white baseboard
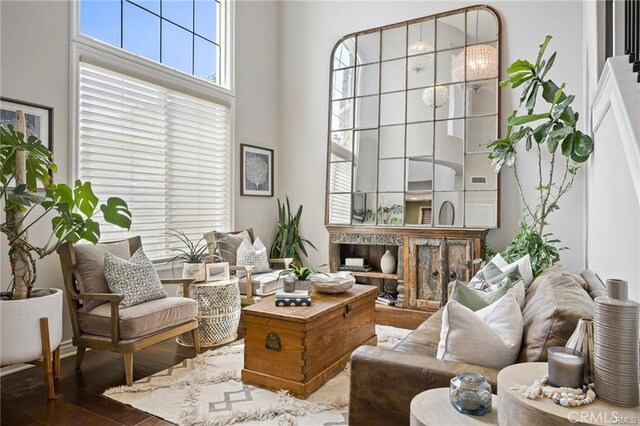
66	350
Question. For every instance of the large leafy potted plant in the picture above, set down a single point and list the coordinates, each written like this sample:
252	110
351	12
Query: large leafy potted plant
26	165
552	128
288	242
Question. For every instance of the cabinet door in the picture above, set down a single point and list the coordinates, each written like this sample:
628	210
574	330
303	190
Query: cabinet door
458	262
433	263
425	288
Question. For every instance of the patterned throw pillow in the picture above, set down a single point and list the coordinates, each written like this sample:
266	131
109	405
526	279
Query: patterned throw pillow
136	279
253	255
477	299
491	277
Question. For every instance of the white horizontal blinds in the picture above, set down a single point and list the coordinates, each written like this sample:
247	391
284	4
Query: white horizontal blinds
199	150
165	153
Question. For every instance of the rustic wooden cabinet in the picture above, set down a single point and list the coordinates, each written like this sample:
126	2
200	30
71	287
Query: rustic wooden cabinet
427	259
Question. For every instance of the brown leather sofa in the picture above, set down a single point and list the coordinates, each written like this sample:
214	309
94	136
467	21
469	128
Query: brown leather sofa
384	381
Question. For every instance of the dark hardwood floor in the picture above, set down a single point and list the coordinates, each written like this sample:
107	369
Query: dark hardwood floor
79	399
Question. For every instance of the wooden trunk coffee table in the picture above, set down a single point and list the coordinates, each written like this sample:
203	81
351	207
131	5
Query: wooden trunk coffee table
301	348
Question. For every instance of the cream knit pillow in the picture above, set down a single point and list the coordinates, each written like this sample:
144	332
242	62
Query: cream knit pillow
490	337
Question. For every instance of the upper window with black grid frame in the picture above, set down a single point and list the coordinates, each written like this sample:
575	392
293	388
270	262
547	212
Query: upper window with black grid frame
182	34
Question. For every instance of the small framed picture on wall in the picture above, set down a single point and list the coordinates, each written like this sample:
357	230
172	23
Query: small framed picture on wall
256	171
217	271
38	120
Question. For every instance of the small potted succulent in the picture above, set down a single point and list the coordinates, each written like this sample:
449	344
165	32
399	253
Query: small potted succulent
301	275
192	256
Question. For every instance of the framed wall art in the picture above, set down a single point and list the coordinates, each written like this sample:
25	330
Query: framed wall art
256	171
39	119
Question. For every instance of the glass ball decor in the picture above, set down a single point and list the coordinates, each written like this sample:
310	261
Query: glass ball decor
470	393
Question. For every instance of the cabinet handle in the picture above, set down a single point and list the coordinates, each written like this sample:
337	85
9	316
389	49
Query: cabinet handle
434	274
453	275
347	310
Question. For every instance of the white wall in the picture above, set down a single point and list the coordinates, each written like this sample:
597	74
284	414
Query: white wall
310	29
35	50
257	61
34	67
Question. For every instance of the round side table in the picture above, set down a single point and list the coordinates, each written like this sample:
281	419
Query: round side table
218	312
516	409
433	408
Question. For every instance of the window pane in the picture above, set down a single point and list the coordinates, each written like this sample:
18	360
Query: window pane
176	47
206	19
179	11
141	33
206	58
152	5
101	19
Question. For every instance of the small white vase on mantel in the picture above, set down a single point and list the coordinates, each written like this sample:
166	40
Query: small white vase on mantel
388	263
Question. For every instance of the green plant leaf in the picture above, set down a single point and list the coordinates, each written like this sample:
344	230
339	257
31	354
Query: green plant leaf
84	198
90	231
520	65
582	147
531	99
21	197
116	211
561	132
543	48
567	145
540	132
523	119
548	65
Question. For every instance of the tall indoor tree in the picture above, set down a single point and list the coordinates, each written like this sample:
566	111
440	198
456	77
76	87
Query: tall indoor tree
544	120
29	196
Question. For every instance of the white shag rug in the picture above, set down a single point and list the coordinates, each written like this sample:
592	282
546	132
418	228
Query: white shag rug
207	391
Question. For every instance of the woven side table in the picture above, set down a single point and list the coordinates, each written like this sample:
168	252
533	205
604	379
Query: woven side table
218	312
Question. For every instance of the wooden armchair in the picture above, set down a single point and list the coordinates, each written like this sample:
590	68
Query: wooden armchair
125	331
247	297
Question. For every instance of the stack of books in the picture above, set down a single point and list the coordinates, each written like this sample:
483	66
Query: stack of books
386	299
355	264
293	298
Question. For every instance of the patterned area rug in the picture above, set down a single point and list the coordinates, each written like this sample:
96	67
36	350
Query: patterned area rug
207	391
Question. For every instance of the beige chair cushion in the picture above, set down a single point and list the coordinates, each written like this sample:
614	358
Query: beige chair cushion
227	244
140	320
554	304
89	272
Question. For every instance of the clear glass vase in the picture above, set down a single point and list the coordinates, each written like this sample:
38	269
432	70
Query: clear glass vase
470	393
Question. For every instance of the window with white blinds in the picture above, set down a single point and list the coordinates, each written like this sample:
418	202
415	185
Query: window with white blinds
167	154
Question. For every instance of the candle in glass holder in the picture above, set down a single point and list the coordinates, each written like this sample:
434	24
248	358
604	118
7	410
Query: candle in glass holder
565	367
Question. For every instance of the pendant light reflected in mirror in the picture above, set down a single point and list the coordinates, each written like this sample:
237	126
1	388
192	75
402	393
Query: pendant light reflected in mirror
435	96
481	61
420	54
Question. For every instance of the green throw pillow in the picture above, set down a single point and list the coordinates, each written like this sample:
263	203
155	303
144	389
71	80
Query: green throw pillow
477	299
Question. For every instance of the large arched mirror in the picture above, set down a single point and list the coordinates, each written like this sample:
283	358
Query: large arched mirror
412	108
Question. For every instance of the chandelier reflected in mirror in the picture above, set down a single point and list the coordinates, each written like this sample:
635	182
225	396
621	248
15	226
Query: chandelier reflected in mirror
482	62
435	96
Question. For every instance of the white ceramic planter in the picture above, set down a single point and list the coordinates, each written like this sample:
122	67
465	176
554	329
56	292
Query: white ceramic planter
195	271
20	327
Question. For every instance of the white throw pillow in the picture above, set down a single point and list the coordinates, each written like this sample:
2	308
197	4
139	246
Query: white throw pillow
490	337
253	255
524	267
